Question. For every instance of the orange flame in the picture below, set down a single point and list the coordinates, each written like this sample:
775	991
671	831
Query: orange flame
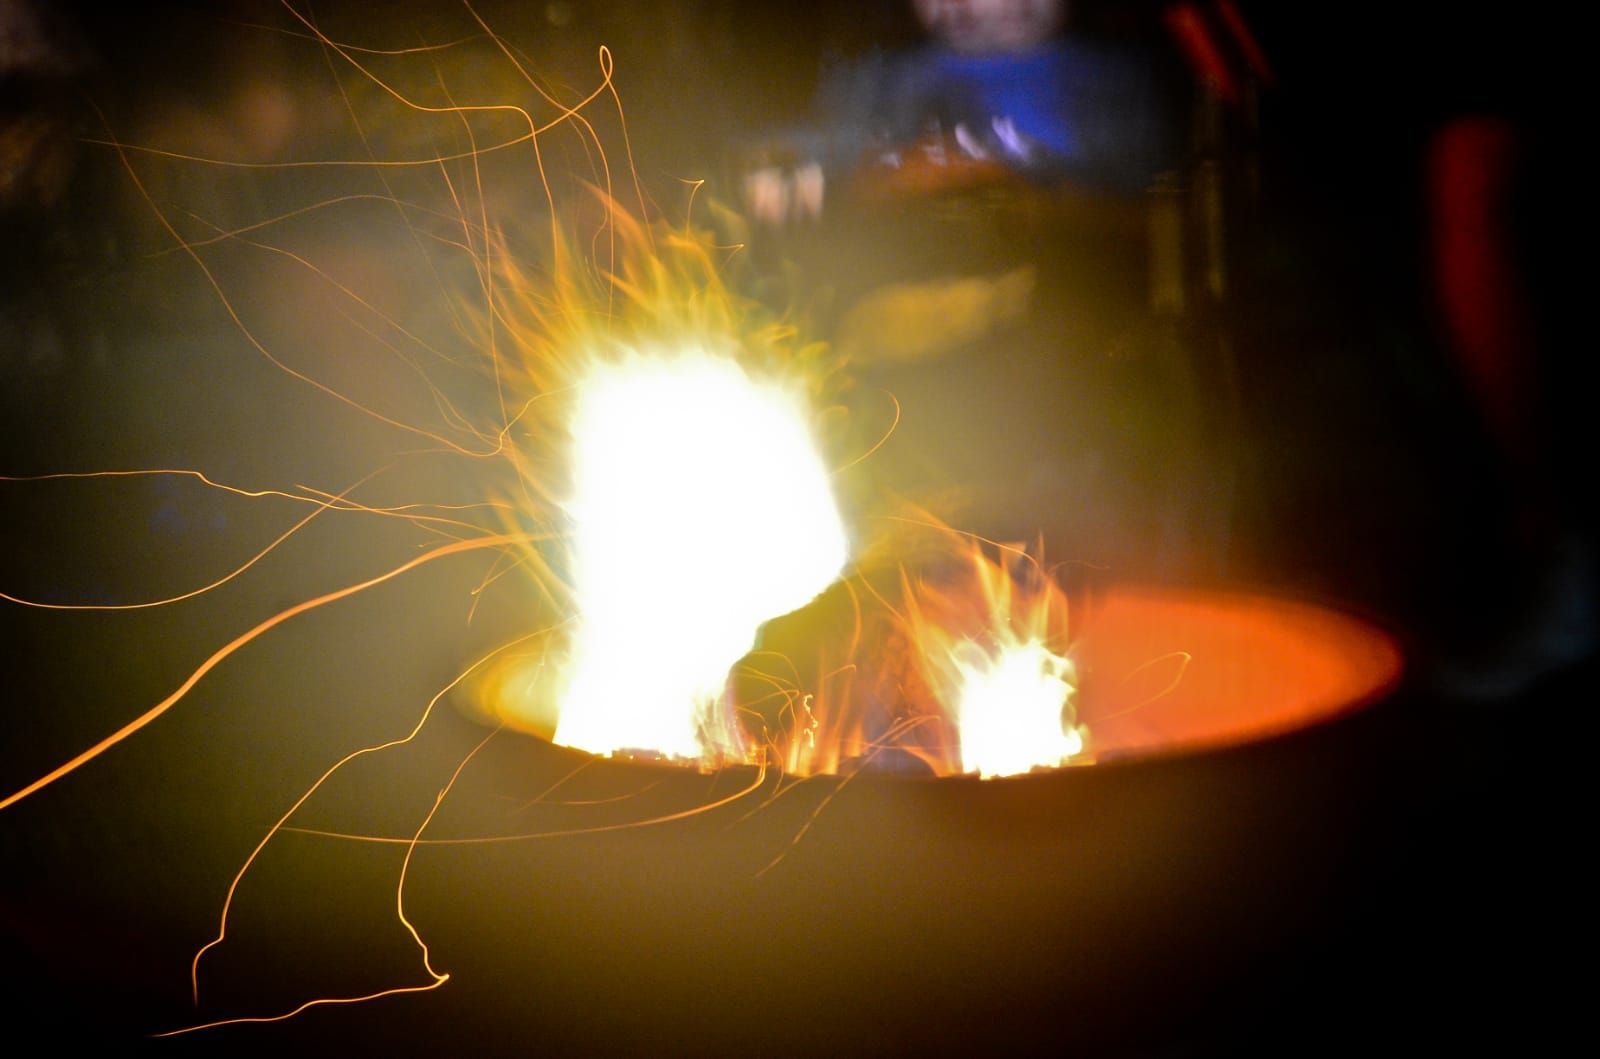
958	664
961	674
992	650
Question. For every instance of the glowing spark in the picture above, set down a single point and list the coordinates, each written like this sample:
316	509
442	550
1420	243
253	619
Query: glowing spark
700	510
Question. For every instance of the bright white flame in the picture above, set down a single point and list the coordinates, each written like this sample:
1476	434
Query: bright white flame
700	509
1010	711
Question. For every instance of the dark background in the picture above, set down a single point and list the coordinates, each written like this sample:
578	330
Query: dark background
1362	472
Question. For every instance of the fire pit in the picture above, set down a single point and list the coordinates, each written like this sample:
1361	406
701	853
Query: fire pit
605	904
1103	904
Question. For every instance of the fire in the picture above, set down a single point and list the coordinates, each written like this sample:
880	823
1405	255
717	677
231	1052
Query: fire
671	465
993	653
701	508
939	654
675	438
663	458
1010	710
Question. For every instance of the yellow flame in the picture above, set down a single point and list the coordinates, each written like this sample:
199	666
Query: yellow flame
1010	709
992	653
701	509
666	427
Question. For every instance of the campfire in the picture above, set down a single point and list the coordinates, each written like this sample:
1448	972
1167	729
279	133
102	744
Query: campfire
714	597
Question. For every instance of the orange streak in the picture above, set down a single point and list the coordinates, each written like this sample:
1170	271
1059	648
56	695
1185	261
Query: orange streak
227	901
262	554
399	902
446	408
239	641
337	501
233	314
887	434
569	112
530	836
890	736
1177	678
414	49
1010	549
319	1002
557	785
253	493
230	233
